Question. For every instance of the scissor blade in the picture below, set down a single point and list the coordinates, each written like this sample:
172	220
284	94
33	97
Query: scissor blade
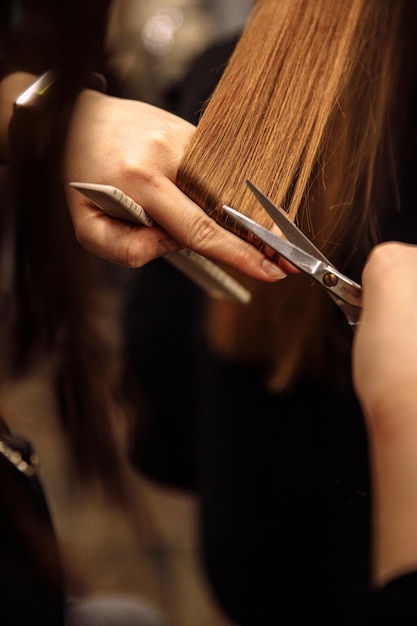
287	227
292	253
340	287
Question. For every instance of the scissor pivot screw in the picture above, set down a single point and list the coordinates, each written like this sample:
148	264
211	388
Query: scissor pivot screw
330	280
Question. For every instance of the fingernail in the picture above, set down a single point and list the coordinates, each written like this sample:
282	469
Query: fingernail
273	270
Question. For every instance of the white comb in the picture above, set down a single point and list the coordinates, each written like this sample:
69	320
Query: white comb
206	274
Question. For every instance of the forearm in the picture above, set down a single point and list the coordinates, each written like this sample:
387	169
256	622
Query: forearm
393	445
385	376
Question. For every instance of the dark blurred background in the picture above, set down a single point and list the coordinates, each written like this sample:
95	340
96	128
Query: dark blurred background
152	553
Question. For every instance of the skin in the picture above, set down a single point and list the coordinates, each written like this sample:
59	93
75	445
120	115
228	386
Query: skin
136	147
143	146
385	377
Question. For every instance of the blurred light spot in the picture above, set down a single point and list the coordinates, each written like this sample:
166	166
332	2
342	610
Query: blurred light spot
158	33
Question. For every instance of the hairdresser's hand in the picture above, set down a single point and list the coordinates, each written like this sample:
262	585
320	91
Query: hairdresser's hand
385	349
137	147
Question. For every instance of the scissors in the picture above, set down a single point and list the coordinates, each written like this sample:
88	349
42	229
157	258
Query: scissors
304	255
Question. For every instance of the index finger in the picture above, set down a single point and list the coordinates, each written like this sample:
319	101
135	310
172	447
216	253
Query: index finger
188	224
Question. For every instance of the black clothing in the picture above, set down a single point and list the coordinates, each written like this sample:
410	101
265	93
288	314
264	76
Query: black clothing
395	604
31	576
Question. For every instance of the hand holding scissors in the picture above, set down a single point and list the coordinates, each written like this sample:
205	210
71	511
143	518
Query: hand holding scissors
304	255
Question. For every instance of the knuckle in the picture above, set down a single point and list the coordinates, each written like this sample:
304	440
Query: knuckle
130	255
136	174
143	171
203	233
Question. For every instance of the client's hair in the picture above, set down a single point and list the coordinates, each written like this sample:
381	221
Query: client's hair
312	107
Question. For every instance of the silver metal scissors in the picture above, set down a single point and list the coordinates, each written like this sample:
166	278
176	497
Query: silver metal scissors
303	254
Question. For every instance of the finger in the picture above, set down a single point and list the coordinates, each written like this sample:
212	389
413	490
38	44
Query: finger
118	241
187	223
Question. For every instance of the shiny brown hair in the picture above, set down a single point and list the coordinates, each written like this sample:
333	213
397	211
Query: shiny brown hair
310	108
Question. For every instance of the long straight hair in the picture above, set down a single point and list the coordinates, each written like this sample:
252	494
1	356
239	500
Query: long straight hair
310	108
57	286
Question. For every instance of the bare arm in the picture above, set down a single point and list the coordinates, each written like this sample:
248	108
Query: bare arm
385	375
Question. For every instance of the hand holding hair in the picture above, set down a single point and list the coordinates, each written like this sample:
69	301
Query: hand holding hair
142	146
